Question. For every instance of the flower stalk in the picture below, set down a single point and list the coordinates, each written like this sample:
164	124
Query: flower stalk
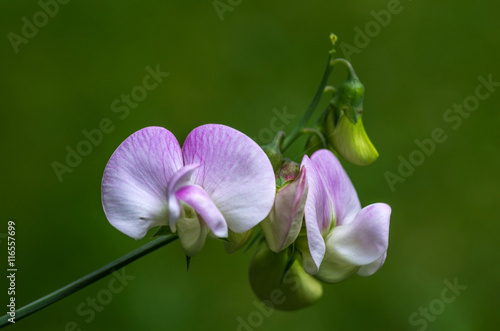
88	279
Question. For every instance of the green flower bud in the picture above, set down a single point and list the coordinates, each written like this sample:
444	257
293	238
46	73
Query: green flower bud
349	98
292	290
350	140
273	150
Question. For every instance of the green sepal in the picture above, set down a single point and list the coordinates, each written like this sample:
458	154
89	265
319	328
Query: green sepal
349	98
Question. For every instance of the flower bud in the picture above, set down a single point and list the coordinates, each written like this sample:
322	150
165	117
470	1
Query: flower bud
273	150
349	98
292	290
350	140
287	173
282	226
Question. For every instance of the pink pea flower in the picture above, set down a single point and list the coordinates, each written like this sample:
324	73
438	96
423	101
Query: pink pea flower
220	181
342	238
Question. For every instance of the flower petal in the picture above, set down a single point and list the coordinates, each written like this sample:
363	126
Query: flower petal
351	141
338	185
134	184
197	198
373	267
179	179
333	272
284	222
235	172
319	213
364	240
192	234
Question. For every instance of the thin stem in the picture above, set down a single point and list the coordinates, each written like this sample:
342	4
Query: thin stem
317	133
298	131
89	279
314	103
352	73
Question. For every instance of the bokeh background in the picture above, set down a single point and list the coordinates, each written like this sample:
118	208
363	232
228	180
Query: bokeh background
261	56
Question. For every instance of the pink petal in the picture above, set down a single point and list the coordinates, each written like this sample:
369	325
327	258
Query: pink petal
319	212
178	180
234	172
338	185
134	184
197	198
362	241
283	224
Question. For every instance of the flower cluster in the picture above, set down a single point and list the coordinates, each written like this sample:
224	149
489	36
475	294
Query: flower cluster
307	217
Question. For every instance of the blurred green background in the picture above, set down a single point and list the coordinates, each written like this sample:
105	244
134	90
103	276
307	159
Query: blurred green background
262	56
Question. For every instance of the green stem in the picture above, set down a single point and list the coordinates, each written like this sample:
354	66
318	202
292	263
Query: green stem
314	103
87	280
298	131
317	133
352	73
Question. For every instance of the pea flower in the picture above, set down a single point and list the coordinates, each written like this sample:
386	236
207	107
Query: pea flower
342	238
220	181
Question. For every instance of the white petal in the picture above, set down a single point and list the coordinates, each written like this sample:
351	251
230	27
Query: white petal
234	171
370	269
364	240
134	184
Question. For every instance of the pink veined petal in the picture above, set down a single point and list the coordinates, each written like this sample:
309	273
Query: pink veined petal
197	198
319	212
134	184
362	241
370	269
235	172
339	186
178	180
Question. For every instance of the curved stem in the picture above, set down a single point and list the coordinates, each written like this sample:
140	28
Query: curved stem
87	280
314	103
352	73
317	133
298	131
